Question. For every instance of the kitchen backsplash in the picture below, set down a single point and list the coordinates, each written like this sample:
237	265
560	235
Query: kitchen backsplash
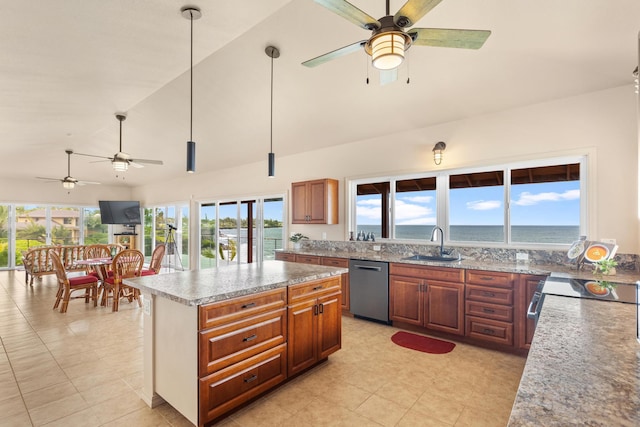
628	262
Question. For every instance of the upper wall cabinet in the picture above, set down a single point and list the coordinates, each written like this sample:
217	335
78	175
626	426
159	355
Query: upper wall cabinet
314	202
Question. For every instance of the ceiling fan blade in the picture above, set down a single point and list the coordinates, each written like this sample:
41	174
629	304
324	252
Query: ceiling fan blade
388	76
87	182
443	37
48	179
146	161
319	60
135	165
93	155
350	13
412	11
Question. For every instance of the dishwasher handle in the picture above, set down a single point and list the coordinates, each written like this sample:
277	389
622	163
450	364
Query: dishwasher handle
367	267
532	312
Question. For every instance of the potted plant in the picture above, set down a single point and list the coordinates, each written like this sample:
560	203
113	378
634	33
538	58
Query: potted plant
295	238
605	267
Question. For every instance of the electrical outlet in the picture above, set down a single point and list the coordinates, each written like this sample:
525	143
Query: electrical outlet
324	236
520	256
376	247
146	306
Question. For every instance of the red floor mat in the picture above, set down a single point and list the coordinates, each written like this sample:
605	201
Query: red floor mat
421	343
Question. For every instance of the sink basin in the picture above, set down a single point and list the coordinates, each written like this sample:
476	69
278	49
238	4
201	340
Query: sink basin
430	258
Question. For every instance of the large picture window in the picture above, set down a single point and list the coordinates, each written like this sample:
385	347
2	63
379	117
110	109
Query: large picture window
514	204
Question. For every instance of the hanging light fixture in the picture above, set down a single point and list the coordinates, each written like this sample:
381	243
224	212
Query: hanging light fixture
387	50
191	13
272	52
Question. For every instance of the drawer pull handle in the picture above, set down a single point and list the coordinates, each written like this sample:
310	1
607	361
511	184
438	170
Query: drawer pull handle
488	294
315	310
250	338
321	308
317	288
251	304
251	378
489	331
488	310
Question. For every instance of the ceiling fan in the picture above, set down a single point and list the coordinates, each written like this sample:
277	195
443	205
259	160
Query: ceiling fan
121	160
391	37
68	182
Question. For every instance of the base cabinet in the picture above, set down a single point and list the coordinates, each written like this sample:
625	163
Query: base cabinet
315	323
427	296
527	285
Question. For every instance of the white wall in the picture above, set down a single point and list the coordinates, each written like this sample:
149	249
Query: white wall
601	124
52	193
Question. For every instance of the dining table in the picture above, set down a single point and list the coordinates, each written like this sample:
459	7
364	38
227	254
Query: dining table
101	267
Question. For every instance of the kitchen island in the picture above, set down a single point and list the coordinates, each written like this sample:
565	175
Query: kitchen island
214	339
583	366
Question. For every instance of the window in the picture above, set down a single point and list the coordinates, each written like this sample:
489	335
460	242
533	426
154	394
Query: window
528	203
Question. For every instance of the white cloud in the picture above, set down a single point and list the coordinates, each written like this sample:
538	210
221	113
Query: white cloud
528	199
370	202
417	199
484	205
405	213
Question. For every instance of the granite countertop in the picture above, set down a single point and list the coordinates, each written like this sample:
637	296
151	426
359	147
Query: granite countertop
583	367
630	277
204	286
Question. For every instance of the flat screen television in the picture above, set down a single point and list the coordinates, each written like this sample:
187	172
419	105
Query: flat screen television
125	212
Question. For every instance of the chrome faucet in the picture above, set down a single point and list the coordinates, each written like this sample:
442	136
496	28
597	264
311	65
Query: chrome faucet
434	233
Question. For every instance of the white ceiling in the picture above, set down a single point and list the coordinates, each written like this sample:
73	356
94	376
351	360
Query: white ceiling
68	66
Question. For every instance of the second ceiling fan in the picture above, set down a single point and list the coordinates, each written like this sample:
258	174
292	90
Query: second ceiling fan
122	160
391	37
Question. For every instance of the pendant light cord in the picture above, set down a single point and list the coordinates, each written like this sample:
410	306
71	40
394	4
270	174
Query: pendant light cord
191	84
271	119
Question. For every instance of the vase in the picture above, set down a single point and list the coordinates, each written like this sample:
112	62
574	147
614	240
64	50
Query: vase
297	245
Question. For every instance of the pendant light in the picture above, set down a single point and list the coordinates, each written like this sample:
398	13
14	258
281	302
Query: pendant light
191	13
273	53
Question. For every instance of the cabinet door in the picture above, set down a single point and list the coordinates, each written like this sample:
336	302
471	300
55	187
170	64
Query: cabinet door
444	307
317	202
525	327
405	300
299	203
302	341
329	325
340	262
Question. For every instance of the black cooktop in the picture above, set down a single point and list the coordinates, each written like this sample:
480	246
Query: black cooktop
594	289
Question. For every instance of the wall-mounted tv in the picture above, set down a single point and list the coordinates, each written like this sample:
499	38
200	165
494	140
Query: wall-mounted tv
120	212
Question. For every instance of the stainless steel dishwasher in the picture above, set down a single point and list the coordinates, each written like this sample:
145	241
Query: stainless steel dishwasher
369	289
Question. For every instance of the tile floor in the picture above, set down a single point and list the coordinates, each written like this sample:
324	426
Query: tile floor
83	368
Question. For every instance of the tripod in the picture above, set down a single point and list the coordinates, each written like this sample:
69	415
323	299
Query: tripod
172	249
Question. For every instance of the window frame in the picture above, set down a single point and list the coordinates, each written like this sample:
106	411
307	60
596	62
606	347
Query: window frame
443	200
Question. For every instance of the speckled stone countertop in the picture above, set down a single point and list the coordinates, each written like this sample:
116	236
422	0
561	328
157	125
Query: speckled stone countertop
204	286
583	367
471	264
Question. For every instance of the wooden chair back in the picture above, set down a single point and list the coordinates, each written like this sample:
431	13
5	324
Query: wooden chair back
97	251
156	258
127	263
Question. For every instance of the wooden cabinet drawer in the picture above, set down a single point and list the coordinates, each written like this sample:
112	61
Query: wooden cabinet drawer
217	313
490	295
308	259
434	273
283	256
335	262
490	278
313	289
230	387
489	311
490	330
227	344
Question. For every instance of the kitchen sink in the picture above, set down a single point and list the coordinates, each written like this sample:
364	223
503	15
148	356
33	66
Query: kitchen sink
431	258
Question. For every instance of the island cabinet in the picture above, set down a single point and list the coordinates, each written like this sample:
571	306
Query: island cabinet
314	202
314	323
430	297
241	350
525	327
489	306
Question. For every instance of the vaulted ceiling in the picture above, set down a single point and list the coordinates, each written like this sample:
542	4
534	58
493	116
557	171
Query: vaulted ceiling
68	67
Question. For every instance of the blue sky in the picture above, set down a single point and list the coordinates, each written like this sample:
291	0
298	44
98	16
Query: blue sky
555	203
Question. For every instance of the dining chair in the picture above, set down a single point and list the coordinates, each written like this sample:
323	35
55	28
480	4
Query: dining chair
114	249
67	285
126	264
156	261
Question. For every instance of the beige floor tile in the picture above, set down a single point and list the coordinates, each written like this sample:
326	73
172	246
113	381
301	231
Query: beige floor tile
402	394
415	418
382	411
84	418
266	413
58	409
19	420
472	417
44	396
11	407
143	417
442	408
117	407
47	379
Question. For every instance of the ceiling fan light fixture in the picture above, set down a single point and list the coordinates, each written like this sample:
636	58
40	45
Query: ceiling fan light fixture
68	185
120	166
387	50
